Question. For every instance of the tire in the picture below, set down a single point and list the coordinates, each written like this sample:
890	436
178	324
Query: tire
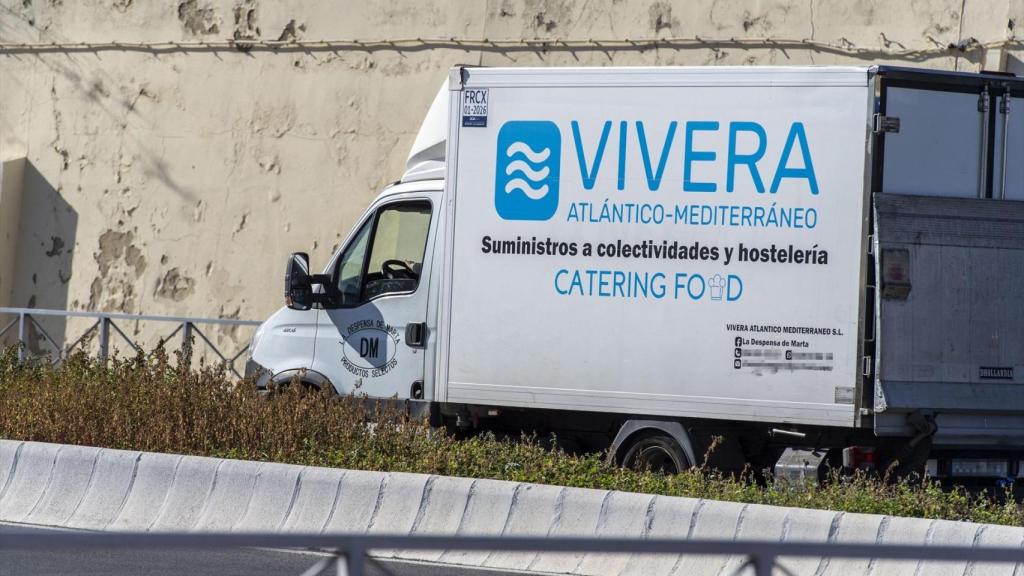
655	452
303	385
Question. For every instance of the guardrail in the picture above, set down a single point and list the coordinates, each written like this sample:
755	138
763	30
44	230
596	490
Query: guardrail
351	552
105	328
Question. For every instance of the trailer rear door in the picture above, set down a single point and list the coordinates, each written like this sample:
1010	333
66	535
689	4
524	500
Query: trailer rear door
949	240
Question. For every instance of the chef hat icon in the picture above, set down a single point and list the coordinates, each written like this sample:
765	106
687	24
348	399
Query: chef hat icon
717	283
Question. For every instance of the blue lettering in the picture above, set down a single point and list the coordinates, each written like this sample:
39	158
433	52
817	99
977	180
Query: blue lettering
749	159
796	135
680	283
746	215
640	284
589	176
657	285
654	176
623	126
695	278
558	275
618	284
603	283
692	156
734	288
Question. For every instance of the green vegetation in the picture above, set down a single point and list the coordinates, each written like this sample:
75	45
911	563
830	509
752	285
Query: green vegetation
154	404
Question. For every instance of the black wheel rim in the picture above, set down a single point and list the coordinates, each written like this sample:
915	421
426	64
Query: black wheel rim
657	459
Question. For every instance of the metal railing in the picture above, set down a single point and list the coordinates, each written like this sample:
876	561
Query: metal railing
349	554
105	328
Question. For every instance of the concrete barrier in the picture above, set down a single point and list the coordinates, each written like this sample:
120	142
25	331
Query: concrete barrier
101	489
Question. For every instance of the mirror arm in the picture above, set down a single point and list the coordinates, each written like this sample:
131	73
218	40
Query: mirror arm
324	280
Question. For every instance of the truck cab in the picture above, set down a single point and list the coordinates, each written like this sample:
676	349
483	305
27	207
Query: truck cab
368	324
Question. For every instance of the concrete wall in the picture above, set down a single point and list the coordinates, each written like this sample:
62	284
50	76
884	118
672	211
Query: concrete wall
85	488
174	181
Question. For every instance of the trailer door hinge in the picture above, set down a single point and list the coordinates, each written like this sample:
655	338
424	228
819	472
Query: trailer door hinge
866	369
886	124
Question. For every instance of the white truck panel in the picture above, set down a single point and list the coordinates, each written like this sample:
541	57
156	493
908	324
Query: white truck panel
714	334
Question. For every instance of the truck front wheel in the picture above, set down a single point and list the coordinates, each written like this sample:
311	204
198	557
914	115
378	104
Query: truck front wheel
655	452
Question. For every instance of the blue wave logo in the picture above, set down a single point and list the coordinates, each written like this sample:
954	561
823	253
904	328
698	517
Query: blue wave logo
527	170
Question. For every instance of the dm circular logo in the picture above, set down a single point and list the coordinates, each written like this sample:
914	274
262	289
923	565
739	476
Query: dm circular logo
369	349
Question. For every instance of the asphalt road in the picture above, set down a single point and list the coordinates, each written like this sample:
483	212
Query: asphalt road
245	561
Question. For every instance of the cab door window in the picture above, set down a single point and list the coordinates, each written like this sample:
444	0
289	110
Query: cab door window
348	275
388	253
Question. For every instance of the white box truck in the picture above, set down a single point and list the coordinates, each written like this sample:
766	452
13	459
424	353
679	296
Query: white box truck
819	259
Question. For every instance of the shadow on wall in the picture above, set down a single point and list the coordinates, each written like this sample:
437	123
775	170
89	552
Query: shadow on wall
1015	64
42	255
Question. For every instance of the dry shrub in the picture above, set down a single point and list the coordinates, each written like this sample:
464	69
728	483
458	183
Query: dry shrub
154	404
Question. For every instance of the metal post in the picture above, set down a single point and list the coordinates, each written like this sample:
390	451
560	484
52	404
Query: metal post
763	564
21	337
186	341
1004	107
354	559
104	338
983	107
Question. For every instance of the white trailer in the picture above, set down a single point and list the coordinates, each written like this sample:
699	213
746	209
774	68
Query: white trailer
638	259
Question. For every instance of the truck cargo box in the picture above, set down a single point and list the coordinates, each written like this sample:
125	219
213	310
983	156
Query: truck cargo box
675	241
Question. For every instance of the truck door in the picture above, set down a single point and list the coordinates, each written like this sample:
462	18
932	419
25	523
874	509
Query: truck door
950	139
370	337
938	149
949	232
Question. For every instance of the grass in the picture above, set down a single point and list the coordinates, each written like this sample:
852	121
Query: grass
155	404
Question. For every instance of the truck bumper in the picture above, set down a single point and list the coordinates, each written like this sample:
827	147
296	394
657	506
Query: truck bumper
255	370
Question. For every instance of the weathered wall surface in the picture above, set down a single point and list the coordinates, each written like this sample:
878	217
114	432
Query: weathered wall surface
175	181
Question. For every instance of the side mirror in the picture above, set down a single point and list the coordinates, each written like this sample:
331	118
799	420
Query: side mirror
298	286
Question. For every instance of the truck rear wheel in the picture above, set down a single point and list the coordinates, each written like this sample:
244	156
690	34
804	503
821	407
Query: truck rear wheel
655	452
